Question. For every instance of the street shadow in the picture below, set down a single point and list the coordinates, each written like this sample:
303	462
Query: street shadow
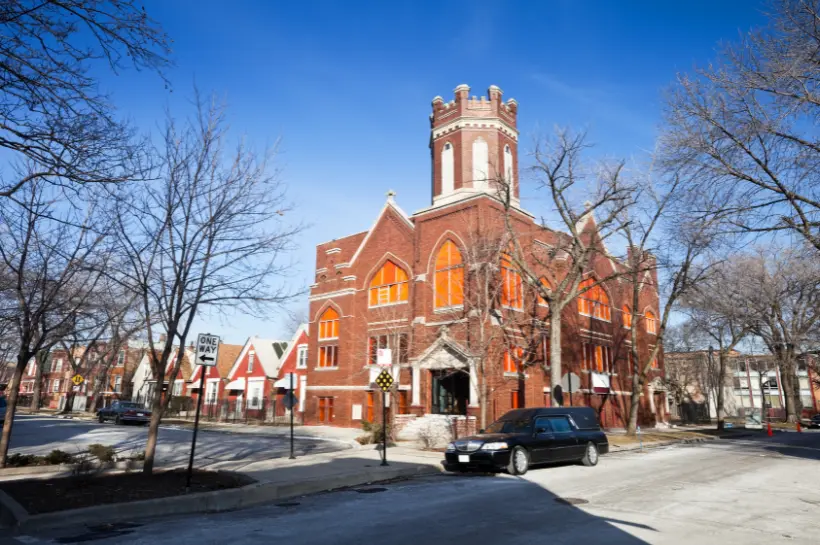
804	445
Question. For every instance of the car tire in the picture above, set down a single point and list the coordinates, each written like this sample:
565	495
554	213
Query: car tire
519	461
101	419
117	421
591	455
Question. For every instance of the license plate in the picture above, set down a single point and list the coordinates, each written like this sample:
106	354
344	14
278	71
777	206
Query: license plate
464	458
140	414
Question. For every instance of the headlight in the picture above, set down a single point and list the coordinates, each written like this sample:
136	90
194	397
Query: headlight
451	447
498	445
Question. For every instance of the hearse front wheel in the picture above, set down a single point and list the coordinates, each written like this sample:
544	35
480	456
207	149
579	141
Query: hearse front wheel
519	461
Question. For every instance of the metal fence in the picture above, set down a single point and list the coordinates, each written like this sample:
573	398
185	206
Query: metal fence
253	411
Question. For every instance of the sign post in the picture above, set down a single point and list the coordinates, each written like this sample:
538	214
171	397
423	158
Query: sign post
207	350
290	394
385	381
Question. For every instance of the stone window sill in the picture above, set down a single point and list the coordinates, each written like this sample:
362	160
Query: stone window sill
336	368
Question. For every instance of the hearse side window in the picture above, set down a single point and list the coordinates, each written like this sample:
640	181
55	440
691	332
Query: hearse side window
509	426
560	424
542	423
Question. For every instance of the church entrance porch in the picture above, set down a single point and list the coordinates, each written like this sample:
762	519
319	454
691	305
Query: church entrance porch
450	391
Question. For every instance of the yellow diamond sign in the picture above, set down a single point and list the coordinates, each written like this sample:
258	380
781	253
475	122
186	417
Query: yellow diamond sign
77	380
384	380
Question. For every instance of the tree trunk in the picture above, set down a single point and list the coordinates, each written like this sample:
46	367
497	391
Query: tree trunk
721	411
482	394
37	400
153	429
788	378
555	358
12	394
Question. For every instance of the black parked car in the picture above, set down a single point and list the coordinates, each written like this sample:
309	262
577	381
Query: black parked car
815	421
524	437
124	411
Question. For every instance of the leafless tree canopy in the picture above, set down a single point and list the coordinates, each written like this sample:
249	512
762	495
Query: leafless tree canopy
52	111
743	131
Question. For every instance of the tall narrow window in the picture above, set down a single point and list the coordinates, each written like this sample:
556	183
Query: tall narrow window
597	358
388	286
121	358
329	325
481	160
546	285
251	358
508	165
512	358
447	170
515	399
328	356
449	277
302	357
651	323
512	289
594	301
626	314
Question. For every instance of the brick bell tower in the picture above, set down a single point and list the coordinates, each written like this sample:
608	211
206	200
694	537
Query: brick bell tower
474	143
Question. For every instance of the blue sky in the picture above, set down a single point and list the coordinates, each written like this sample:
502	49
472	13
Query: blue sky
347	87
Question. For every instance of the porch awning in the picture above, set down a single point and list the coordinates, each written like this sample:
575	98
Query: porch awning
284	382
238	384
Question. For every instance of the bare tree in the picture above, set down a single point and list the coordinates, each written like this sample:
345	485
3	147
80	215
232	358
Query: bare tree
50	264
562	175
743	130
208	233
52	109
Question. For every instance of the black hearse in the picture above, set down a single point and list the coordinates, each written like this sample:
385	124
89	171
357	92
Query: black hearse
523	437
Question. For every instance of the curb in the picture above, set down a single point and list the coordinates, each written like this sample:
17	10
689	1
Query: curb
13	515
63	468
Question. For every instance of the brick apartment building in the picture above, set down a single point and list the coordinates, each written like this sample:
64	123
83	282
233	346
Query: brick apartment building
404	284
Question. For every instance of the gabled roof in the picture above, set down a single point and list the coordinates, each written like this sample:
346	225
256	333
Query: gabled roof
389	205
265	354
303	328
224	360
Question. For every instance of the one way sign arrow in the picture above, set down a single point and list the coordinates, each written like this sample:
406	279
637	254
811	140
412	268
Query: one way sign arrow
207	349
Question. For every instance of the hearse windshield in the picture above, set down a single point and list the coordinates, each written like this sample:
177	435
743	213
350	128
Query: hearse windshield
509	426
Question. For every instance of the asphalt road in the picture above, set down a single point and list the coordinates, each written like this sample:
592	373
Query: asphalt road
41	435
759	491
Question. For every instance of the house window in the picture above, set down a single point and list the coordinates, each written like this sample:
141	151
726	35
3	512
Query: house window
508	164
481	160
449	277
651	323
329	325
213	388
302	357
55	385
368	415
546	285
326	409
594	302
251	357
328	356
377	342
447	170
626	315
255	395
121	358
515	400
597	357
118	384
389	286
177	387
512	358
58	365
512	290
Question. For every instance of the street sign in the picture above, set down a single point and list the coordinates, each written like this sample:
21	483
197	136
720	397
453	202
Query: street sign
289	400
207	349
384	357
384	380
77	379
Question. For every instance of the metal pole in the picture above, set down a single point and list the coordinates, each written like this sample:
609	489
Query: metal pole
196	428
290	399
384	428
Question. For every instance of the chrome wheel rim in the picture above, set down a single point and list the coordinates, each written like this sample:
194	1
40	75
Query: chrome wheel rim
520	461
592	453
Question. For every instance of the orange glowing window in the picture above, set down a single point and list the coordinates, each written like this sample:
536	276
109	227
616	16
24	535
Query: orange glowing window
329	325
594	302
449	277
388	286
626	316
512	358
651	323
546	284
512	289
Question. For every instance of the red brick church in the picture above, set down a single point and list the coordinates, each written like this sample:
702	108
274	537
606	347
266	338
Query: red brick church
405	284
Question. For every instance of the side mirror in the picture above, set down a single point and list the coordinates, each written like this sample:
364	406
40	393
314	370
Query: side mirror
541	430
481	431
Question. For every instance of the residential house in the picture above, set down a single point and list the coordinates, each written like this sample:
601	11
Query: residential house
216	377
144	383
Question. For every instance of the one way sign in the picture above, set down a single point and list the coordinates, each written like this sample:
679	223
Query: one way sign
207	349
